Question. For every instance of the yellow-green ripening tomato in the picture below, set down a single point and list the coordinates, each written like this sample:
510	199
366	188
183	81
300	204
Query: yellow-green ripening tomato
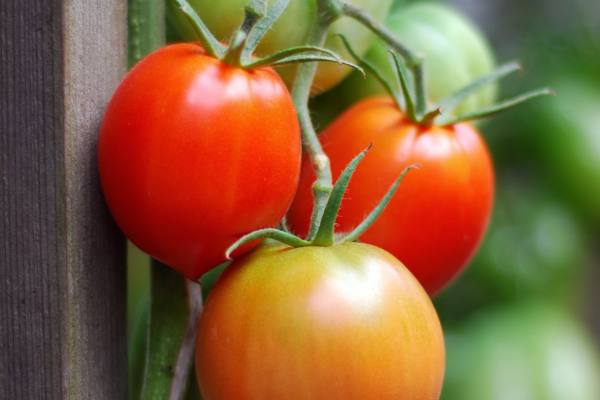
223	17
345	322
456	53
531	351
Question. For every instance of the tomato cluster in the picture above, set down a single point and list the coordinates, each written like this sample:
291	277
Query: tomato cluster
198	150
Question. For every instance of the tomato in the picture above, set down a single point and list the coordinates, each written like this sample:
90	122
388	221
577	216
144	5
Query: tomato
291	29
456	53
437	218
535	248
342	322
530	351
565	137
193	154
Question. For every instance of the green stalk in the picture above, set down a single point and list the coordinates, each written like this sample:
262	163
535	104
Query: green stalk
145	28
325	15
175	308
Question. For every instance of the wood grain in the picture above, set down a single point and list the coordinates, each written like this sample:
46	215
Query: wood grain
62	259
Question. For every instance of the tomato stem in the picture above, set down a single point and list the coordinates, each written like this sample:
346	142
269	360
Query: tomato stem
322	187
255	11
414	60
175	308
211	45
234	53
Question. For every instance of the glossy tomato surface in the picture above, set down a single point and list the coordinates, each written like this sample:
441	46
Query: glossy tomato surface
223	17
437	217
193	154
342	322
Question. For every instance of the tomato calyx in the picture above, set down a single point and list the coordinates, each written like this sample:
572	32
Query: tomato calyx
325	235
258	20
414	99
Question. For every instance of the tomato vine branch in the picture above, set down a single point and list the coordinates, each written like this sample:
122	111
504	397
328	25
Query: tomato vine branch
414	60
300	95
327	12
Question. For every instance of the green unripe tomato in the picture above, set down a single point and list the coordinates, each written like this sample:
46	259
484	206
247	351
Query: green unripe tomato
528	351
565	134
223	17
456	53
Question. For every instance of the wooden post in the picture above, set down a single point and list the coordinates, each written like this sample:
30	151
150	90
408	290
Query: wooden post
62	258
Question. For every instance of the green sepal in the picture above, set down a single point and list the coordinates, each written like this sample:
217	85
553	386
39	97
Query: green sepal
281	55
360	229
270	233
263	26
313	57
324	236
496	108
211	45
374	70
449	104
408	96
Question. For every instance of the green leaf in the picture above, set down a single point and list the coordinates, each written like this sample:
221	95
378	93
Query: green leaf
360	229
325	234
449	104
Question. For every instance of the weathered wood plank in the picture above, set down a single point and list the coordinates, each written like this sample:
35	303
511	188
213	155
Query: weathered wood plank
62	276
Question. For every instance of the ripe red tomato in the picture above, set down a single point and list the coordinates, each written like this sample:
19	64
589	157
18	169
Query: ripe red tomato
434	223
194	154
342	322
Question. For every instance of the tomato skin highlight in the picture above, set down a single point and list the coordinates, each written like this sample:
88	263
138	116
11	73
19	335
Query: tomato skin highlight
341	322
193	154
437	218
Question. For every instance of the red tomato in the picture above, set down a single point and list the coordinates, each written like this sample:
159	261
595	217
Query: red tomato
343	322
194	154
436	220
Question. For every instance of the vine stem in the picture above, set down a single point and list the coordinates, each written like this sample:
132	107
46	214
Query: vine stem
186	351
414	60
325	15
327	12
